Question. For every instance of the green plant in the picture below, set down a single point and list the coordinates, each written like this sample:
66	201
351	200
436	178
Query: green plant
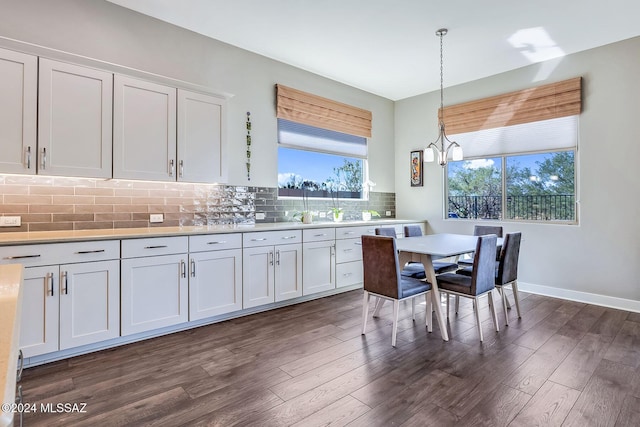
372	212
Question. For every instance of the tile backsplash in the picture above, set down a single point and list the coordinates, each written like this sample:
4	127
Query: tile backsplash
58	203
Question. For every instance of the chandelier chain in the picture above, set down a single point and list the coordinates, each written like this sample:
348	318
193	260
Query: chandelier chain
441	80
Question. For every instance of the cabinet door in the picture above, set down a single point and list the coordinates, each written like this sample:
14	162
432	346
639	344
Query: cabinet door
288	271
74	120
39	321
319	272
258	276
201	138
89	303
18	106
215	283
144	130
154	293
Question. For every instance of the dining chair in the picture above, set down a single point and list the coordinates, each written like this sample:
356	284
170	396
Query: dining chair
382	279
481	230
480	283
439	267
411	269
506	273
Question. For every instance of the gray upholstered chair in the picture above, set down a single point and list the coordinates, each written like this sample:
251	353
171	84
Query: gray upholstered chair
382	279
506	270
439	267
481	230
480	283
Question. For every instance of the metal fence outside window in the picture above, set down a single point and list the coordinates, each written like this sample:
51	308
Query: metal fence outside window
549	207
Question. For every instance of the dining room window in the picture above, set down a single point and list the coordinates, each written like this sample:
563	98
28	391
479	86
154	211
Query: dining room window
522	173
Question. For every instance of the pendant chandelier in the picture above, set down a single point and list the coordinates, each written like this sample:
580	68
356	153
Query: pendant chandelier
442	144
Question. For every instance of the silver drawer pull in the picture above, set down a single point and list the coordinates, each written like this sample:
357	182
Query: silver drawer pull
289	237
156	247
349	232
259	240
217	243
357	243
97	251
22	256
347	250
319	235
347	274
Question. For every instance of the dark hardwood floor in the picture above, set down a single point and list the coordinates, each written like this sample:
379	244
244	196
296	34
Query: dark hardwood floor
563	363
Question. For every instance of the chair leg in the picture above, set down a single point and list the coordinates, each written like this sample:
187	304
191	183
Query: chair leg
365	310
429	300
478	324
378	307
503	294
514	287
457	303
494	315
447	306
396	309
413	309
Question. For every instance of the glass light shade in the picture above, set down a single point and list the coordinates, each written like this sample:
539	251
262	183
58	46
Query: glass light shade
456	154
428	155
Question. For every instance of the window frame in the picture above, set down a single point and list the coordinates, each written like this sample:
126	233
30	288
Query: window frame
503	159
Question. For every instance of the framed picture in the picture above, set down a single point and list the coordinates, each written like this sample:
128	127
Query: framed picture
416	168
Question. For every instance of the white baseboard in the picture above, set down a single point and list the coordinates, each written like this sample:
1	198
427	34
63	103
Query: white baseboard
586	297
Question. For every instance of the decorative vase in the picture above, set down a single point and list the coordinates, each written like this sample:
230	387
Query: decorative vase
307	218
337	216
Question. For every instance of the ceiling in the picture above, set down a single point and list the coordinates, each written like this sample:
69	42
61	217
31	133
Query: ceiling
389	47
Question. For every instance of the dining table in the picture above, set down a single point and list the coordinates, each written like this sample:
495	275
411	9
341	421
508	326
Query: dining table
428	247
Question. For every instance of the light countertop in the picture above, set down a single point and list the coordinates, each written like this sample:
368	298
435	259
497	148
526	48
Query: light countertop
10	305
19	238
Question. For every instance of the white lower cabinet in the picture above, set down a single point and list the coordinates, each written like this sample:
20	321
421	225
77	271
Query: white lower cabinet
318	260
349	269
215	276
271	272
67	305
154	287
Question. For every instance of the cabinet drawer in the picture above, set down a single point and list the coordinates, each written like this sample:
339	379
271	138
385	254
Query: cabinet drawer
214	242
266	238
350	232
318	234
349	273
60	253
134	248
348	250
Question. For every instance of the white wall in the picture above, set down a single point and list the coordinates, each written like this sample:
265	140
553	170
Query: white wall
601	255
107	32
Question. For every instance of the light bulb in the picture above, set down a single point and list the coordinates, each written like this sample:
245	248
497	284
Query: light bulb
428	155
457	153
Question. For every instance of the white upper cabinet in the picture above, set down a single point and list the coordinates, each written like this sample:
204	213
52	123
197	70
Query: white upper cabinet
201	156
144	130
74	120
18	109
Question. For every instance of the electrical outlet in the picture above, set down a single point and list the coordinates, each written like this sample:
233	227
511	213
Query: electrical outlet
260	215
10	221
387	213
156	218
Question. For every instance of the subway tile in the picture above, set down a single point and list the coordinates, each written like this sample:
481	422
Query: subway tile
112	200
130	224
50	226
119	216
28	199
93	191
73	200
39	217
51	209
23	227
93	209
50	190
132	192
95	225
14	209
14	189
72	217
130	208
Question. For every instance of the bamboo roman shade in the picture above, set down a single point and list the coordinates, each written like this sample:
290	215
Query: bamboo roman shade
301	107
550	101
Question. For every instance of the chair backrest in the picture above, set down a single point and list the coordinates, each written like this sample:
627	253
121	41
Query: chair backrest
508	265
381	267
412	231
484	265
386	231
481	230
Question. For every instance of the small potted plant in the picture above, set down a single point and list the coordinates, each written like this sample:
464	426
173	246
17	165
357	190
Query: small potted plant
307	216
368	213
336	210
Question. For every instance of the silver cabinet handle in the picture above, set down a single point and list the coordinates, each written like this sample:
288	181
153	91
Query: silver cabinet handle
44	158
333	250
181	172
171	167
357	243
271	257
349	232
29	157
20	365
277	257
183	268
64	279
218	243
347	274
22	256
97	251
259	240
156	247
347	250
319	235
49	278
289	237
193	268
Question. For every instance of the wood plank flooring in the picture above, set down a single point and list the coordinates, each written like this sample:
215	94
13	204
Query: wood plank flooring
563	363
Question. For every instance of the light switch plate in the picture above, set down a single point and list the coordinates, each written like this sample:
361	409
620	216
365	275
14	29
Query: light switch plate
387	213
156	218
10	221
260	215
